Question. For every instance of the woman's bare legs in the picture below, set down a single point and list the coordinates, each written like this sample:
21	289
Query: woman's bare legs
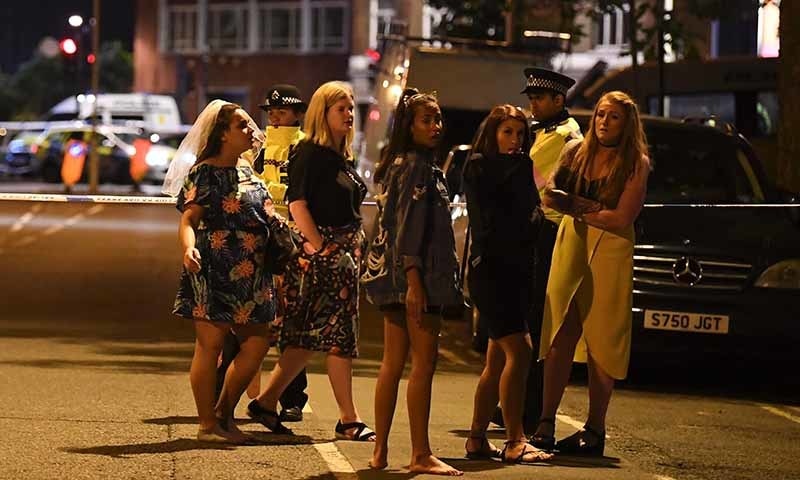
340	376
395	352
557	367
254	344
424	340
517	349
487	394
601	385
290	363
209	337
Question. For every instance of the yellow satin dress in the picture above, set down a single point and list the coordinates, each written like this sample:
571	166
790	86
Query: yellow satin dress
593	269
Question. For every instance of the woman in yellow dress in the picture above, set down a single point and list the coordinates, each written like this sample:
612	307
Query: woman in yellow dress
600	186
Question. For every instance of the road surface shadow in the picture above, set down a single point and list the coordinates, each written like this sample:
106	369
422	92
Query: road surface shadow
170	446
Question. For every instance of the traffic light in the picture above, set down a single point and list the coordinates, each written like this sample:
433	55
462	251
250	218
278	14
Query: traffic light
68	46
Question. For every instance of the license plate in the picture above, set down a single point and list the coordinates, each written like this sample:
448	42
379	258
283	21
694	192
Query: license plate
686	322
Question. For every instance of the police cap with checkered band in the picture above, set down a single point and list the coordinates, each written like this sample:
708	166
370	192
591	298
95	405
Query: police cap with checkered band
283	96
543	79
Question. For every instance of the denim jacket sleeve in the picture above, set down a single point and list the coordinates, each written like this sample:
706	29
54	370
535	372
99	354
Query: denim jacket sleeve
413	182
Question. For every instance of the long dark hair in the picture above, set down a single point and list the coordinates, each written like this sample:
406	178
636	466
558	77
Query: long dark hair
401	140
221	125
485	141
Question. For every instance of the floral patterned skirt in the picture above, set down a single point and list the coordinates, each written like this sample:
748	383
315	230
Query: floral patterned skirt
232	285
322	294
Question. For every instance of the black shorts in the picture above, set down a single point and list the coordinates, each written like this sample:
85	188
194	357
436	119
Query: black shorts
503	295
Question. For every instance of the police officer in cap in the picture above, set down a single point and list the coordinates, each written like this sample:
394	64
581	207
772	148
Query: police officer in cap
552	128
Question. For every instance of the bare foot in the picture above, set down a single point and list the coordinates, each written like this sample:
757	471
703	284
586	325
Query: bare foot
378	463
217	434
433	466
234	432
379	454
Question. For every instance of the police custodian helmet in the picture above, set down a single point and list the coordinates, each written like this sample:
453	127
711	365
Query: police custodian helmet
543	79
283	96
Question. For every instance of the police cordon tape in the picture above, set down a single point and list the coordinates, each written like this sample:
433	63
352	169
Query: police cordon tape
62	198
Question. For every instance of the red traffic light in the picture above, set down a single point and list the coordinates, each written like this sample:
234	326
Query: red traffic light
68	46
90	59
374	55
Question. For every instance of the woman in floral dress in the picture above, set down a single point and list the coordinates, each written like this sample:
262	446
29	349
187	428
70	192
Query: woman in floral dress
225	223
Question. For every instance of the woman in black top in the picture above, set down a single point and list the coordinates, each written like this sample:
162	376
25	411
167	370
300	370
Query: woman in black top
324	196
504	217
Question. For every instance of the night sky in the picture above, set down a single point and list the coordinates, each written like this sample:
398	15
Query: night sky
23	23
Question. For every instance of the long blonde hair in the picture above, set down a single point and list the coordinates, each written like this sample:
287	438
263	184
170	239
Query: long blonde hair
632	146
317	129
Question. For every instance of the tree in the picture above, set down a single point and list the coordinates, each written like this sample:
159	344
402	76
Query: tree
788	79
116	68
42	82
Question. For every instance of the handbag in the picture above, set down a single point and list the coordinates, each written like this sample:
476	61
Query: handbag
281	246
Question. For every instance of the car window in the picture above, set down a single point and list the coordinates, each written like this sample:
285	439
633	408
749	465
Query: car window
690	166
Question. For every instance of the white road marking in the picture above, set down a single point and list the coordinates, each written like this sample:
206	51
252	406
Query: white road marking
25	241
336	461
662	477
60	226
451	357
781	413
24	219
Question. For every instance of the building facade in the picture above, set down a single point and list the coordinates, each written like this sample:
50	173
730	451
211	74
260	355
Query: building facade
198	50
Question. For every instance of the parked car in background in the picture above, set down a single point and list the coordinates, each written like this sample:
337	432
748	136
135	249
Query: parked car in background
17	156
115	147
16	143
162	148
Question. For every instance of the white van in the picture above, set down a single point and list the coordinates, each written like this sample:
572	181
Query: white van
154	113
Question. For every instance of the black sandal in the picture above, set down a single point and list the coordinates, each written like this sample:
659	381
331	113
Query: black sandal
268	418
362	433
489	453
586	441
544	442
527	449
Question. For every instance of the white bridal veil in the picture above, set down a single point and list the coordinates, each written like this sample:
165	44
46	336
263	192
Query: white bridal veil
195	142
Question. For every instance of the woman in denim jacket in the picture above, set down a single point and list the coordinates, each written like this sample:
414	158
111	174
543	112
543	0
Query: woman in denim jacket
411	273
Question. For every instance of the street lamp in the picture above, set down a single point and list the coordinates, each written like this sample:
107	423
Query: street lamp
75	21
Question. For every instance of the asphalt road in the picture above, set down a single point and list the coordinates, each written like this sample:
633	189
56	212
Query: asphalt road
94	384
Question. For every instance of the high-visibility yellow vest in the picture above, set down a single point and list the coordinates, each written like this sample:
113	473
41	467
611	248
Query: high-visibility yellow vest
545	152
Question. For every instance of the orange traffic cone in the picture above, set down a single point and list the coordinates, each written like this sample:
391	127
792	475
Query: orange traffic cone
138	167
74	159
